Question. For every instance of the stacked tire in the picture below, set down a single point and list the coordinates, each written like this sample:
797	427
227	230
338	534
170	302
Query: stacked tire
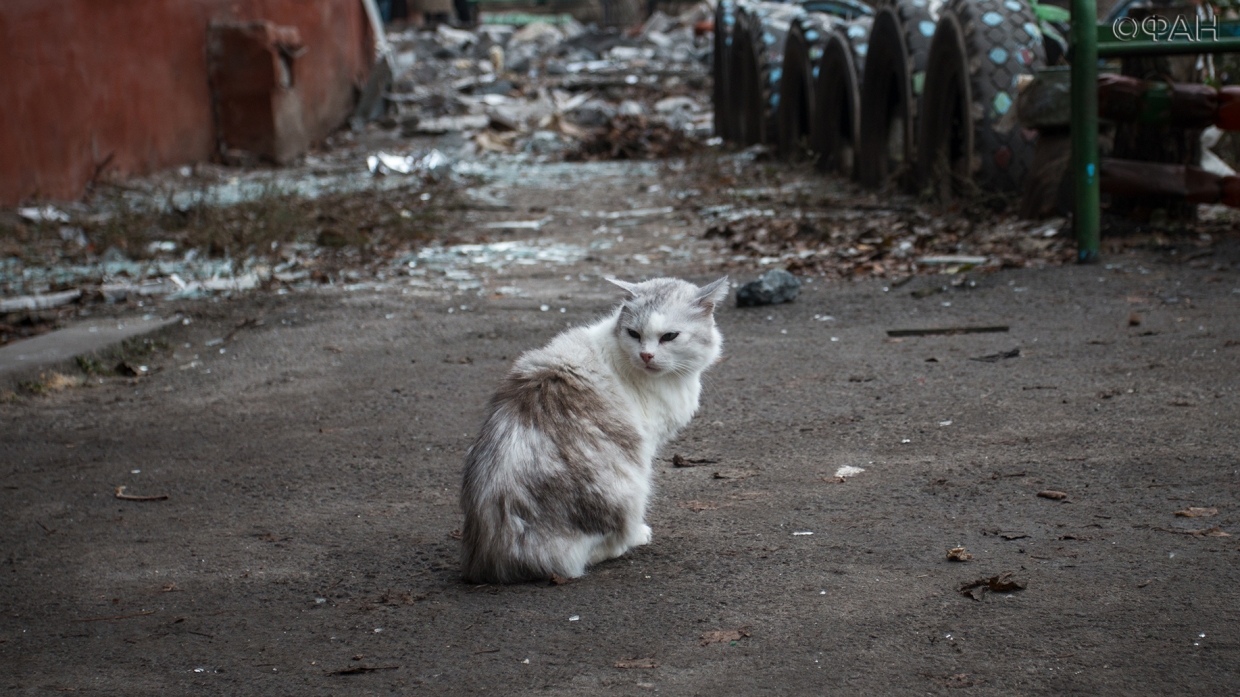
820	106
969	140
757	63
802	53
894	76
836	131
917	96
721	94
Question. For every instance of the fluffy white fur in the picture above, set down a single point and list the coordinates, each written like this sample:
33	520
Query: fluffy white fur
560	475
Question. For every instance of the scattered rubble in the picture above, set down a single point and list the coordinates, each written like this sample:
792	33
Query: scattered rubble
469	115
558	90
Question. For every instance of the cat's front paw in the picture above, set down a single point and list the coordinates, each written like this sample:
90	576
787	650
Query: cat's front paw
644	535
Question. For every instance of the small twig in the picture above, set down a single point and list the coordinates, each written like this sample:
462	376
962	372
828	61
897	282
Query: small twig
117	617
945	330
360	669
120	494
248	322
486	651
45	528
209	636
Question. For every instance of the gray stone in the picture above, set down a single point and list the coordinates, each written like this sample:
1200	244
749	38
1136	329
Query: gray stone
773	287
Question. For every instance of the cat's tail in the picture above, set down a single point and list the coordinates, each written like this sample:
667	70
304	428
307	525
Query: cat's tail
498	547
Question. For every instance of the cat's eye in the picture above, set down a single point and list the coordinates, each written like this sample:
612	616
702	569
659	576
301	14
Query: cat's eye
670	336
635	335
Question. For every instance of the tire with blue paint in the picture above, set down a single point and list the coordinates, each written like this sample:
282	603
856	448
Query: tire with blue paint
802	51
764	31
743	79
981	49
835	132
721	91
890	89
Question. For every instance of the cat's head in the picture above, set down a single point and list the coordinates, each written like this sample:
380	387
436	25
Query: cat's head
667	326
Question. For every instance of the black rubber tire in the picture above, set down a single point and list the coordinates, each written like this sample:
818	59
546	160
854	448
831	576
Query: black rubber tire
894	70
765	29
835	131
965	144
743	72
721	92
796	86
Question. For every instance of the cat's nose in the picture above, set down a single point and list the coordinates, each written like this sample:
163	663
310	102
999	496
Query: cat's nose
646	356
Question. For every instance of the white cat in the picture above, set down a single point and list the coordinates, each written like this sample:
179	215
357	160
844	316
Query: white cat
561	472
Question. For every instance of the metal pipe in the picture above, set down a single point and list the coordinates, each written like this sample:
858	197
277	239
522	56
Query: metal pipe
1085	128
1118	49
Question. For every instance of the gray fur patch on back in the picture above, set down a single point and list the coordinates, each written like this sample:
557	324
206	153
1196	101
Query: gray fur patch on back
561	404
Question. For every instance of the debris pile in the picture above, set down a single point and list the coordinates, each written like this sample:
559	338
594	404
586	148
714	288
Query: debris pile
558	90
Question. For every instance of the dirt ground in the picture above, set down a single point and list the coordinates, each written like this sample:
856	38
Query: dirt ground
311	464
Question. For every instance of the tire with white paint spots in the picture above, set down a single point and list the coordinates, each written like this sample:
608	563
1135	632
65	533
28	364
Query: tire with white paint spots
969	139
890	88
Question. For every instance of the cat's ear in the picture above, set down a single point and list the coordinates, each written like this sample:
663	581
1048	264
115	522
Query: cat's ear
630	288
710	296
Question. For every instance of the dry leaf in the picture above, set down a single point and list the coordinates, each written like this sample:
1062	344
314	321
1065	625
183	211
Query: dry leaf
1215	531
958	554
1195	512
1002	583
700	505
558	580
1050	494
723	636
638	663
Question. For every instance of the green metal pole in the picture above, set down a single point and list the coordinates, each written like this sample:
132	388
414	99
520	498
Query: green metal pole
1085	172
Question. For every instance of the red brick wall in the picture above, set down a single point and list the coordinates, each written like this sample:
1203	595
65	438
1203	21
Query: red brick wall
85	80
